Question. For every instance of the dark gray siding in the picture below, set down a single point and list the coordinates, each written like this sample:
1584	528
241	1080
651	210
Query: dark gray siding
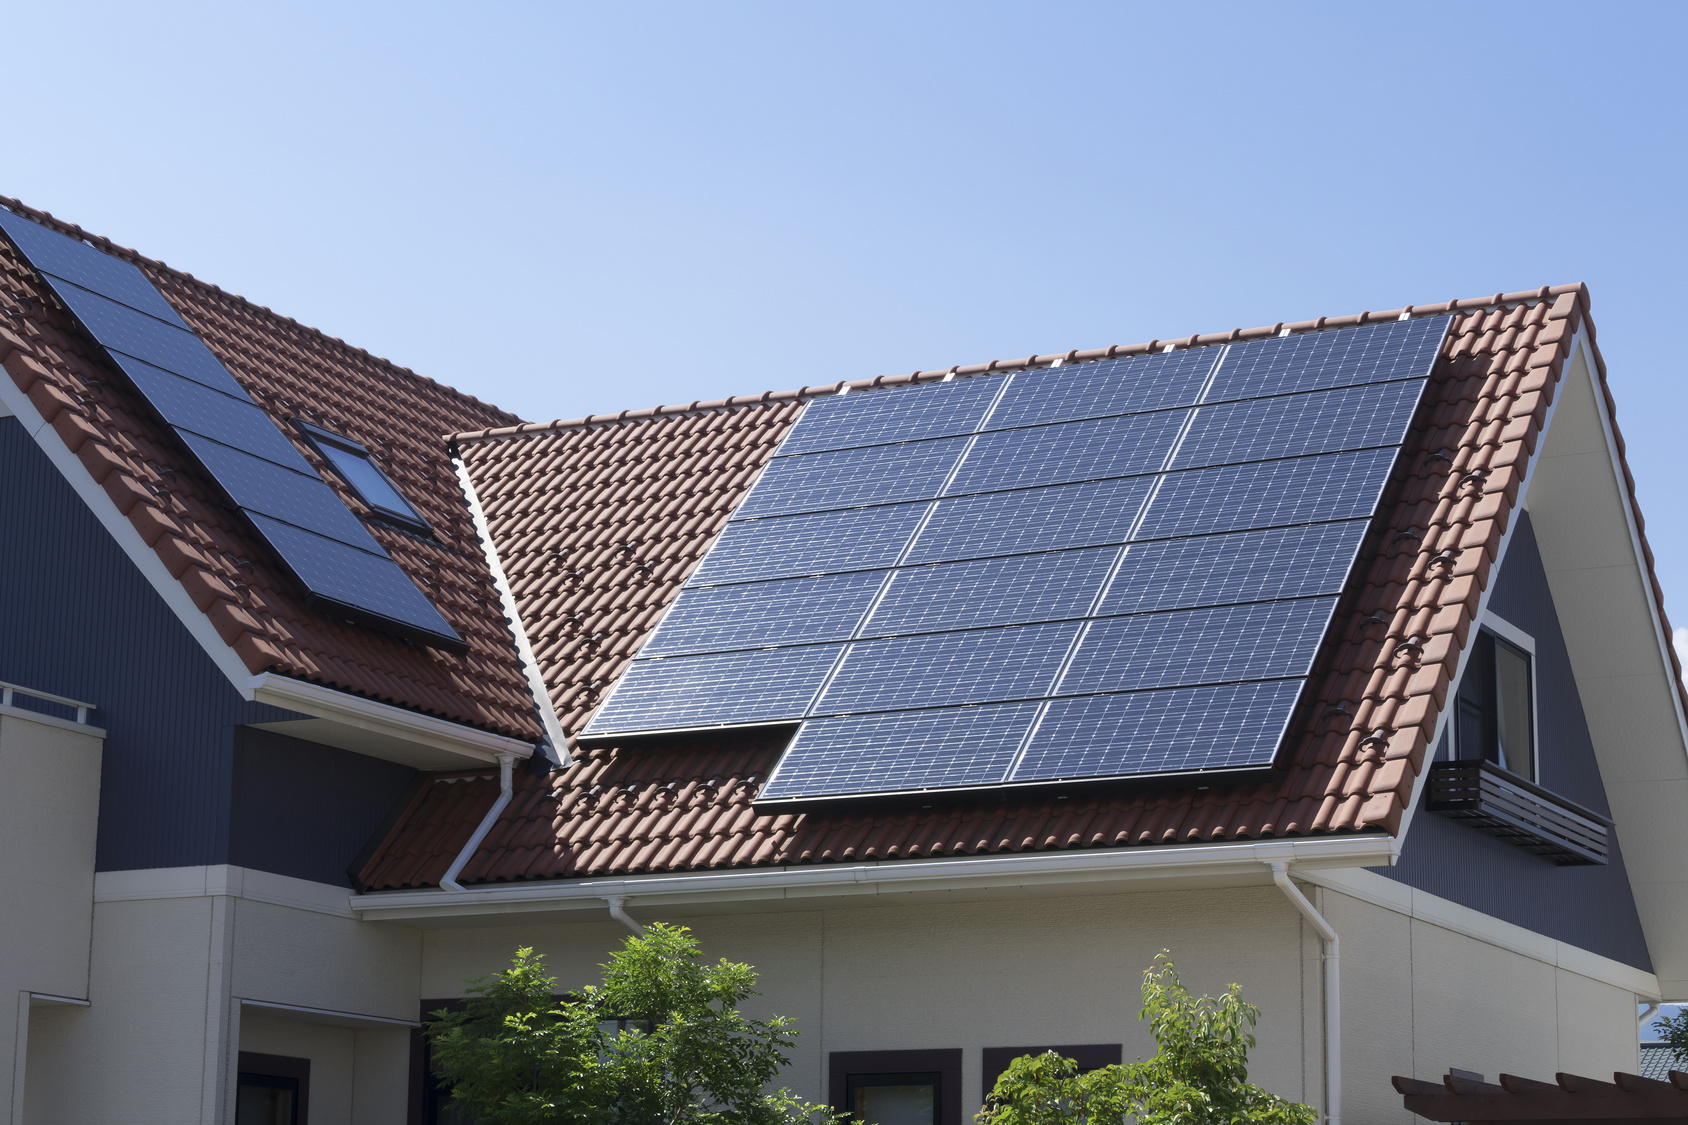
81	621
303	809
1589	907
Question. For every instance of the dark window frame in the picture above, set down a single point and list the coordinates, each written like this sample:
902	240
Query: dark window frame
945	1064
324	441
1476	704
283	1067
1089	1056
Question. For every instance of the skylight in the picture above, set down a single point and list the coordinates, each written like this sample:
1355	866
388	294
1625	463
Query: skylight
355	466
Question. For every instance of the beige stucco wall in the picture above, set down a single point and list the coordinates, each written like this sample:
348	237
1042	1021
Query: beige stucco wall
49	807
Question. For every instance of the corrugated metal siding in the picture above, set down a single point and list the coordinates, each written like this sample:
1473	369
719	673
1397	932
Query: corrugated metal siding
1591	907
81	621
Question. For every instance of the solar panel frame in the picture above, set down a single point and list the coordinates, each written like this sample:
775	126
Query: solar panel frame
237	422
1013	590
715	689
1054	517
1345	418
1137	384
266	488
947	669
784	611
1253	494
1240	566
75	262
1066	452
860	539
1311	361
892	415
120	328
851	478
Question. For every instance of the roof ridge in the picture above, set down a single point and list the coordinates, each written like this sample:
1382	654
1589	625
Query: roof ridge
106	245
1115	351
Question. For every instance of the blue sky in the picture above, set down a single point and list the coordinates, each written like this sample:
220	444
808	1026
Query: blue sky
568	208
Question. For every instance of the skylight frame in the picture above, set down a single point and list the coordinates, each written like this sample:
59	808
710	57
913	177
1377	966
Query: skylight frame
332	447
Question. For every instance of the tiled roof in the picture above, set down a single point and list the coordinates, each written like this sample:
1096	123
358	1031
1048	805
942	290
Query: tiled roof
1657	1061
291	371
668	477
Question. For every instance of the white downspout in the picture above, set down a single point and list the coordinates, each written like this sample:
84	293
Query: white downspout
1333	991
618	911
506	767
1652	1010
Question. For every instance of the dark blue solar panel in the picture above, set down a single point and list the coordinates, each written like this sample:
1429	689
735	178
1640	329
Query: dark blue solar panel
886	753
809	544
1010	591
1199	646
80	264
1073	451
264	487
846	478
1285	562
896	414
734	687
1332	486
122	329
1203	728
1311	361
232	421
1036	519
1112	386
1295	425
939	669
755	614
365	585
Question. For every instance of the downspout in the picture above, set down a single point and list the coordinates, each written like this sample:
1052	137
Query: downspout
506	765
1333	991
1652	1010
618	911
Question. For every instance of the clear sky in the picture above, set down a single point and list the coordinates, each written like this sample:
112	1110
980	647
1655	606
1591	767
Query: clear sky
579	208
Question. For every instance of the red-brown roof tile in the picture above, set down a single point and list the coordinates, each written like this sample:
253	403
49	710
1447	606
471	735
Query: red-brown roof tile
1353	754
291	371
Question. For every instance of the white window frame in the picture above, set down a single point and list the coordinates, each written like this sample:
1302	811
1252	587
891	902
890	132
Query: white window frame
1513	635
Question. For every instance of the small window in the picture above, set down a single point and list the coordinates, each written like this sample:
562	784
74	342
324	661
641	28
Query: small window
355	466
1495	719
272	1090
897	1087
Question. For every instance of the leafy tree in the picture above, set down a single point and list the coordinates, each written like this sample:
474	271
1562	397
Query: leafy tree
1198	1077
1673	1032
660	1042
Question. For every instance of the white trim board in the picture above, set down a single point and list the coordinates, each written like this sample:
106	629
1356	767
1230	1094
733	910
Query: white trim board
221	879
324	1015
27	715
1380	890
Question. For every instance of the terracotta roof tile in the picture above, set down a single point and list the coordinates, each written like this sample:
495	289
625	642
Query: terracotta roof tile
291	371
1355	748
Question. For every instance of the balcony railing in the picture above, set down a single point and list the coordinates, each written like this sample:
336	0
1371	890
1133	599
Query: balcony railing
44	703
1503	805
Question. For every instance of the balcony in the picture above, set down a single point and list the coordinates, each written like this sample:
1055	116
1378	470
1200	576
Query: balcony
1501	804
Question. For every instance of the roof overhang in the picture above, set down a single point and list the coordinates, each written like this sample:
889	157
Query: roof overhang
809	887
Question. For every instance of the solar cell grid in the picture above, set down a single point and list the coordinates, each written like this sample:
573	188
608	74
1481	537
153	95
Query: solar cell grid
75	261
939	669
264	487
232	421
1295	425
122	329
1330	486
905	750
1247	566
808	544
1198	646
1070	451
1010	591
1203	728
1035	519
695	691
847	478
1113	386
756	614
896	414
1313	361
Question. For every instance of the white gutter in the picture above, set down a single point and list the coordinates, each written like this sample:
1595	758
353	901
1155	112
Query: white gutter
1333	990
1244	863
1652	1010
506	767
618	911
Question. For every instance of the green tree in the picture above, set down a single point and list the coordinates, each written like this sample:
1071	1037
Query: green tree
660	1042
1198	1077
1673	1032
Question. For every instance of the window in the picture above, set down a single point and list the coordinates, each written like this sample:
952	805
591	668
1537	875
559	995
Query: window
1089	1056
272	1090
1496	715
354	465
897	1087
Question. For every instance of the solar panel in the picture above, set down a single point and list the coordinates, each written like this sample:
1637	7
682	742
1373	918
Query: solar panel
1034	519
809	544
848	478
1204	728
928	410
80	264
1295	425
1198	646
1130	570
322	545
1095	390
900	751
757	614
1071	451
734	687
938	669
1007	591
1248	566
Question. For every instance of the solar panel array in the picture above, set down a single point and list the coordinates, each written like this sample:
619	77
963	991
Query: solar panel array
316	537
1099	570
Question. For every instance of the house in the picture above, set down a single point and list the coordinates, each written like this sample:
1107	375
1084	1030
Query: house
328	686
